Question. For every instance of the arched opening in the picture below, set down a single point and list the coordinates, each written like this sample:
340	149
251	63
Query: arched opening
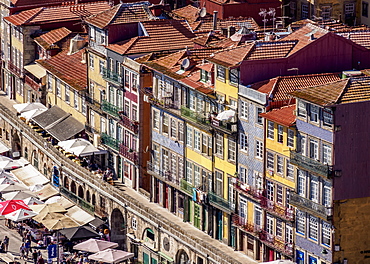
45	169
88	196
26	153
80	192
93	199
16	143
182	257
35	159
66	183
118	228
73	187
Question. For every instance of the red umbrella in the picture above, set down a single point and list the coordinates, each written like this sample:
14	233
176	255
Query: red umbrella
10	206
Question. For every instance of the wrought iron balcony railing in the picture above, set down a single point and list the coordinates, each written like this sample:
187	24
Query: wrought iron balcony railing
220	202
13	68
310	206
128	153
276	242
309	164
111	108
128	123
32	83
197	117
186	187
164	175
78	200
110	141
245	225
112	76
277	209
248	190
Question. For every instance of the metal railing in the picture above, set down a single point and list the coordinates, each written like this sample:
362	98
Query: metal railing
78	200
32	83
110	108
310	206
248	190
197	117
310	164
245	225
219	201
278	243
128	123
128	153
112	76
186	187
110	141
12	67
277	209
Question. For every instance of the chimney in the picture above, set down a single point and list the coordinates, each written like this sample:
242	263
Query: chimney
230	31
215	20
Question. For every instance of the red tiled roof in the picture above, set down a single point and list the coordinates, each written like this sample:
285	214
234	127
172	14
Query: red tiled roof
48	39
45	15
206	24
209	39
206	66
68	68
232	56
359	37
284	116
281	86
163	35
189	12
122	13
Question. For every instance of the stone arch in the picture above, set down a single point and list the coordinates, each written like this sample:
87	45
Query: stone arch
88	196
80	192
66	183
148	235
73	187
45	169
16	142
182	257
25	154
118	228
93	199
35	159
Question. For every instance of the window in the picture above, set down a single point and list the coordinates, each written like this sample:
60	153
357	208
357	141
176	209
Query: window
326	233
219	183
289	170
67	94
290	141
326	154
204	75
289	234
91	61
314	190
234	76
365	9
83	106
258	217
270	160
232	150
326	12
59	93
196	140
270	130
259	118
302	109
134	113
243	141
314	149
259	149
135	85
301	222
279	194
280	164
220	72
76	100
165	124
279	227
303	145
327	117
181	132
243	175
127	79
156	119
280	134
219	144
327	196
196	176
270	190
189	136
313	227
270	224
349	10
314	113
243	109
101	66
189	172
304	13
102	38
173	128
301	185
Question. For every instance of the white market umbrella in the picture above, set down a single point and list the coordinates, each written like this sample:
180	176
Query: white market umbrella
8	163
32	201
225	115
36	187
111	255
20	215
85	150
28	107
72	143
94	245
17	195
8	181
4	174
32	113
4	188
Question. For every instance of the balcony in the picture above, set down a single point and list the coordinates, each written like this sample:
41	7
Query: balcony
112	77
225	126
77	200
164	175
32	83
128	153
194	116
310	206
277	209
276	242
186	187
309	164
128	123
220	202
111	108
246	226
110	141
93	101
250	191
13	68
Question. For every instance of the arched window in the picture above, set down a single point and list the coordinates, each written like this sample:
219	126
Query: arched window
45	169
80	192
66	183
88	196
93	200
73	187
26	153
35	159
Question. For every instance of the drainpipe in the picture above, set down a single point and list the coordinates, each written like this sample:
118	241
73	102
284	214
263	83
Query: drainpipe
214	20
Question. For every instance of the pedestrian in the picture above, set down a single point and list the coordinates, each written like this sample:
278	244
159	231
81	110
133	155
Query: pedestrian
27	246
2	250
40	260
6	243
35	256
22	251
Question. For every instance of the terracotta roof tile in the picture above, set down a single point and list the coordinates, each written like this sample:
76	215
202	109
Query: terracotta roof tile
50	38
232	56
163	35
272	50
122	13
284	116
189	12
45	15
209	39
68	68
359	37
206	24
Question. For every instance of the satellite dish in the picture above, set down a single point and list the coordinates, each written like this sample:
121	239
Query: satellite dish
185	63
203	12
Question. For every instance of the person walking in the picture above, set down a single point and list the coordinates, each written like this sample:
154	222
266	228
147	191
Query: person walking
40	260
22	251
6	243
35	256
27	246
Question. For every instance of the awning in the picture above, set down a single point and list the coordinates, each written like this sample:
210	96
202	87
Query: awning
3	148
96	223
47	192
29	175
36	70
168	258
79	215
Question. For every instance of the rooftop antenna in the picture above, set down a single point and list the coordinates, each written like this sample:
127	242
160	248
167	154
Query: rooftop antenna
263	13
293	69
272	12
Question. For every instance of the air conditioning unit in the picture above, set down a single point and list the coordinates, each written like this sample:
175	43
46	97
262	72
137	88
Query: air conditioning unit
97	140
